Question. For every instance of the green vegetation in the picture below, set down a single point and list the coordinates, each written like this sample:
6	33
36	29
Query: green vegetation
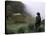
21	23
12	26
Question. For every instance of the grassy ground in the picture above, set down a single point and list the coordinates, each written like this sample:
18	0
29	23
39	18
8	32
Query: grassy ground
12	27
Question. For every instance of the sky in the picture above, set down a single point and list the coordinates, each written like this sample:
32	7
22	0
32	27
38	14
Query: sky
34	6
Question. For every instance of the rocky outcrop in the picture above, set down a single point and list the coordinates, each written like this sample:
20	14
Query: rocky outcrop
21	19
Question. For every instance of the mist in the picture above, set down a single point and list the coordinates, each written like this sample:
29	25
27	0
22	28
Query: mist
21	17
32	7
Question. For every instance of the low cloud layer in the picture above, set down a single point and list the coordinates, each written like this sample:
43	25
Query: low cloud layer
32	7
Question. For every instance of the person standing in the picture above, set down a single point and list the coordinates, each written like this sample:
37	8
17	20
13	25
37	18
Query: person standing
38	21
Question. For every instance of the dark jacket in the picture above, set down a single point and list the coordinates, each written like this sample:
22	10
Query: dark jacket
38	19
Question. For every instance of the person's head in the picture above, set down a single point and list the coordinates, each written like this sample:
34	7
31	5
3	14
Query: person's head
38	13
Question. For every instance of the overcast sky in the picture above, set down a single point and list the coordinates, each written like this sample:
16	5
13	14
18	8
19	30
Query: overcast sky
34	6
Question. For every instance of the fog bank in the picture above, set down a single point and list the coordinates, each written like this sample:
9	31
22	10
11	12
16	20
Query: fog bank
34	6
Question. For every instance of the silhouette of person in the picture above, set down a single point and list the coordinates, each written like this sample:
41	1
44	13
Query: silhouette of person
38	20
